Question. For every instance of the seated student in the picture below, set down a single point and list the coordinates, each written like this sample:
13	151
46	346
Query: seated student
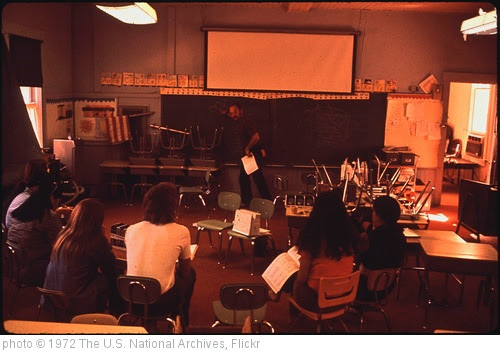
35	172
34	226
383	244
325	248
82	264
155	244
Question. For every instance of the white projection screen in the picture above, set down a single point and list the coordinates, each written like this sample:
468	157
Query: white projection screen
272	61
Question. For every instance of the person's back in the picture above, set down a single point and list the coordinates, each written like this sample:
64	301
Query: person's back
386	247
153	247
152	250
325	246
385	242
34	228
83	265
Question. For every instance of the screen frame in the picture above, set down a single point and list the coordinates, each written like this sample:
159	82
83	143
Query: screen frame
352	33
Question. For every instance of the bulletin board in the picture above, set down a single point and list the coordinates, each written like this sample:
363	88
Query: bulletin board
90	118
415	123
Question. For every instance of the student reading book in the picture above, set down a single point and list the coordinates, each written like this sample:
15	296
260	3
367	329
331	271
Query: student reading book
325	249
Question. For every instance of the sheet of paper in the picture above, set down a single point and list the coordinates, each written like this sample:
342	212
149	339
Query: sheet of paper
278	272
249	164
434	131
410	233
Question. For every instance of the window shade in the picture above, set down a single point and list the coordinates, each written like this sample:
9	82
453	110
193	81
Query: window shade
26	59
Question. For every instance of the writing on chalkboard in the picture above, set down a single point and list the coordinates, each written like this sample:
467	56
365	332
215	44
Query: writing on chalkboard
330	125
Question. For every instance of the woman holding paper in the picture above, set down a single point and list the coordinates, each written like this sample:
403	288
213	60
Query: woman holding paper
325	246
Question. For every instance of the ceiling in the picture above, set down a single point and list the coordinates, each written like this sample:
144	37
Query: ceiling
470	8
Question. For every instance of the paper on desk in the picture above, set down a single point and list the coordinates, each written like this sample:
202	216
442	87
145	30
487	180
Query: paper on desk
249	164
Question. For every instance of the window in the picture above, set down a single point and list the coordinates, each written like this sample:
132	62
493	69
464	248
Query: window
33	99
480	99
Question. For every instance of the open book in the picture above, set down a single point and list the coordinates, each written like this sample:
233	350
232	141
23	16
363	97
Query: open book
281	268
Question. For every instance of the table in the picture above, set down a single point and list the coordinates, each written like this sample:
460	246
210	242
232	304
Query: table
45	327
440	235
413	248
459	258
296	217
460	164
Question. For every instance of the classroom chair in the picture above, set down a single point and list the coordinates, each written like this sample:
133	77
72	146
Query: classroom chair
334	296
239	301
265	208
140	292
56	301
95	318
229	202
378	283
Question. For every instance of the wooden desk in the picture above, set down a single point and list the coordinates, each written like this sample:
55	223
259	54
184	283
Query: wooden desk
460	164
456	257
459	258
439	235
45	327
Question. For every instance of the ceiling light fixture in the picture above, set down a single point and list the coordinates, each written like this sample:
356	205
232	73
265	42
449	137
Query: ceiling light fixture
138	13
484	24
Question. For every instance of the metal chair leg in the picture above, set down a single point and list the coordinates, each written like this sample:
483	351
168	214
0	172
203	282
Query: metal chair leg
229	241
220	247
253	256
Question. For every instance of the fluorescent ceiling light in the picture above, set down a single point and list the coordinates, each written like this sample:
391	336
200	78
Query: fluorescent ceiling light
138	13
484	24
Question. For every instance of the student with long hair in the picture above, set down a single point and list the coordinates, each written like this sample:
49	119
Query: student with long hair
325	246
155	244
33	226
82	264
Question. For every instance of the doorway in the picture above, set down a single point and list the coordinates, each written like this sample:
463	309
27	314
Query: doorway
488	160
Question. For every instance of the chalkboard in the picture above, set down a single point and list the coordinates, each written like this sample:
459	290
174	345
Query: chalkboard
293	131
328	130
209	113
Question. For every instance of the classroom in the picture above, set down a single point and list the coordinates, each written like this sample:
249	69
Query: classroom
359	100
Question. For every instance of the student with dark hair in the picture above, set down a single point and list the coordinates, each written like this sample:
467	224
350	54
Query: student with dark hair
383	243
250	144
34	227
155	244
82	264
35	172
325	248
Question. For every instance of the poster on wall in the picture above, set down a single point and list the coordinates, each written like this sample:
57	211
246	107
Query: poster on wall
90	118
60	123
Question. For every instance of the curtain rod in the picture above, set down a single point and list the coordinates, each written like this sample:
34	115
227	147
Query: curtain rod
281	30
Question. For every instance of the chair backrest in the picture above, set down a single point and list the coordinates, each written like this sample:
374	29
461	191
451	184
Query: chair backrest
57	301
381	279
263	206
229	200
246	296
95	318
280	183
336	291
138	290
15	262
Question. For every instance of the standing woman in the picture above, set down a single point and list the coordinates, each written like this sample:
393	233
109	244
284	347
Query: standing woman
82	264
325	248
